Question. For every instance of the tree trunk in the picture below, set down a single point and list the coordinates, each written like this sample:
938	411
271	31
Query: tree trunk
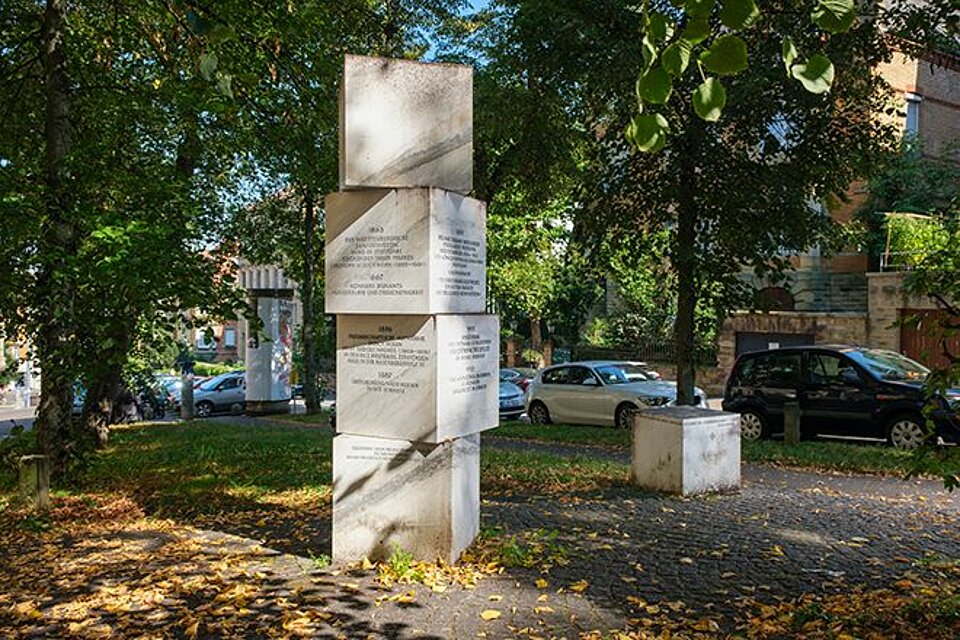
58	240
306	297
98	408
684	262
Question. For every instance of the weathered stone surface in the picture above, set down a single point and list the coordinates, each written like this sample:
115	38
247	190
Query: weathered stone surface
35	482
410	251
417	378
423	499
406	124
686	450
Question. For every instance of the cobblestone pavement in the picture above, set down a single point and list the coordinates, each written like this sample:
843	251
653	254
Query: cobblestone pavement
784	534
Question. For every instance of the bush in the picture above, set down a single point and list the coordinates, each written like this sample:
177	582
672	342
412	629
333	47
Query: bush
214	368
19	443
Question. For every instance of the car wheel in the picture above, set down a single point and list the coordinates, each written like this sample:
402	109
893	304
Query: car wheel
623	417
753	425
539	414
906	432
148	412
204	409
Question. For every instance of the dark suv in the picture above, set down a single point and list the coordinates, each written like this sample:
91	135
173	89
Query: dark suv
849	391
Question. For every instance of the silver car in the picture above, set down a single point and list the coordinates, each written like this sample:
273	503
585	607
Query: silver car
226	392
598	392
511	401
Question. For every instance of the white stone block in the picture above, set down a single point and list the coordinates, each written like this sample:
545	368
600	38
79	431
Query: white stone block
686	450
424	499
405	251
406	124
417	378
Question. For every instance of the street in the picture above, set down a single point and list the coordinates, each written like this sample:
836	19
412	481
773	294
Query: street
9	417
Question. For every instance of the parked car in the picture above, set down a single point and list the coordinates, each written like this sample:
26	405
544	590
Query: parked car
520	376
840	390
173	385
598	392
225	392
511	401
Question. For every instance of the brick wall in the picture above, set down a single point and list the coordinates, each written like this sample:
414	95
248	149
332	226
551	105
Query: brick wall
887	298
937	82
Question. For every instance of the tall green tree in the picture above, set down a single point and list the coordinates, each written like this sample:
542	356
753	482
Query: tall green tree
732	192
121	198
293	57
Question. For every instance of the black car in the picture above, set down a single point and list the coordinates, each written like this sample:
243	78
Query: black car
840	390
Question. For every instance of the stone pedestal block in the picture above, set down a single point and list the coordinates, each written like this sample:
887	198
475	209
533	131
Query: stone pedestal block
417	378
686	450
405	251
424	499
406	124
35	482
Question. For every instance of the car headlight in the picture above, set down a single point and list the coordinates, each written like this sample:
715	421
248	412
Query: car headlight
653	401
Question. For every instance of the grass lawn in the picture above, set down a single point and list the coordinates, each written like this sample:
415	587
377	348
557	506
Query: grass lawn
851	457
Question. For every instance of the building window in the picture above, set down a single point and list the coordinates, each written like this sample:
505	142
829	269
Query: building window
912	125
204	343
230	337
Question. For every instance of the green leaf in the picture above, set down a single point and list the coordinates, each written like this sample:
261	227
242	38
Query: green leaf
676	57
208	64
727	56
834	16
699	8
697	30
224	83
655	86
738	14
816	75
649	50
221	33
790	53
661	27
648	133
709	100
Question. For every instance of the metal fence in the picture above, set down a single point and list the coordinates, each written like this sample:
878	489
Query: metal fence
648	352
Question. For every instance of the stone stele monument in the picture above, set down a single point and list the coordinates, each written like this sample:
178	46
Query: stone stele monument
417	357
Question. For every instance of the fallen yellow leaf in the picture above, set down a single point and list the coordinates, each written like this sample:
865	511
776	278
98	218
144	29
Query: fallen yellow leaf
495	598
541	583
707	625
579	586
490	614
27	609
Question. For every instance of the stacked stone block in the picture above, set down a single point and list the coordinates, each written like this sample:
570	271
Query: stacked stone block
417	357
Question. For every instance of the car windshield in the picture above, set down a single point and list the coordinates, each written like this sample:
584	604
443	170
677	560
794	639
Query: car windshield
211	384
621	373
890	365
